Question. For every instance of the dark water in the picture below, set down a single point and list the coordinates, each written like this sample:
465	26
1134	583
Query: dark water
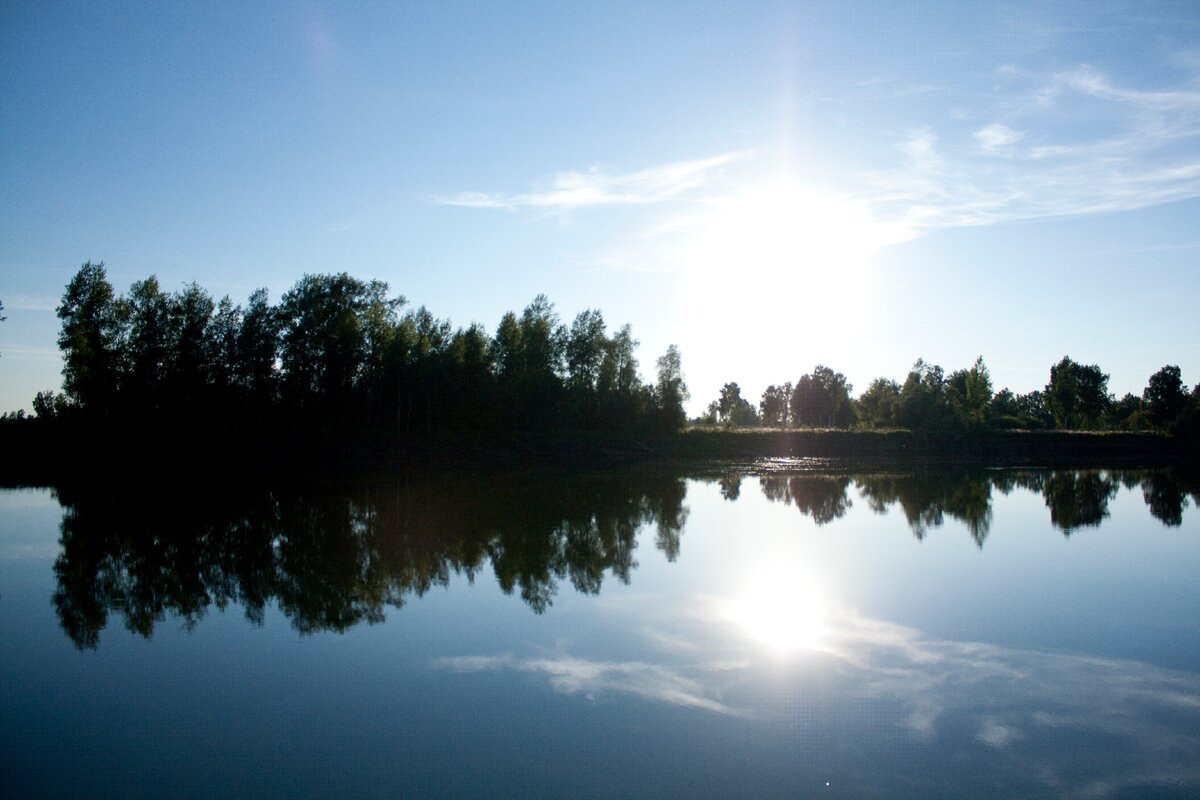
760	634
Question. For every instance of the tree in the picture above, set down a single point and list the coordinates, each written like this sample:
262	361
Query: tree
671	392
970	392
877	405
257	348
93	327
1077	395
148	354
734	410
1165	398
775	406
923	404
585	351
822	399
49	404
324	330
1126	414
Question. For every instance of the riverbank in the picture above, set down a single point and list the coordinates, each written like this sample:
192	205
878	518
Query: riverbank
43	454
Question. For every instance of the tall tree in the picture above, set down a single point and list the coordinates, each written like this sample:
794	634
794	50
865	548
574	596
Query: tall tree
822	399
734	409
922	404
877	405
775	405
257	350
671	391
1077	394
93	327
324	321
1165	397
148	355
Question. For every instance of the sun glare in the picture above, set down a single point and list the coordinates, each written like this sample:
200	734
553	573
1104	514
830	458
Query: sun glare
783	613
782	262
783	234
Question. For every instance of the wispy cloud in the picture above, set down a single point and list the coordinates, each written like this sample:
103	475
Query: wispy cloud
22	352
997	137
594	678
595	187
28	302
1139	148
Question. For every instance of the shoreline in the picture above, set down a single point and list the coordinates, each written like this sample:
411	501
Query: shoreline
44	455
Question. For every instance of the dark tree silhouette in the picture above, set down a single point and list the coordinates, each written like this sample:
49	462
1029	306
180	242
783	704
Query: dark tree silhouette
1165	398
1077	394
822	400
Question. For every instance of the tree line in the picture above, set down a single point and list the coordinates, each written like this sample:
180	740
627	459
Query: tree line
1075	398
339	355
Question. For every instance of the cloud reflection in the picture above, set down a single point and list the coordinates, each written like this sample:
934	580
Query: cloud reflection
1034	716
594	678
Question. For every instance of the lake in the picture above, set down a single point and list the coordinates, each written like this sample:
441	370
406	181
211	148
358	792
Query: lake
751	631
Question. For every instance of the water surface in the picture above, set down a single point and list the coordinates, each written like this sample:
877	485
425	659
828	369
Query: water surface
759	633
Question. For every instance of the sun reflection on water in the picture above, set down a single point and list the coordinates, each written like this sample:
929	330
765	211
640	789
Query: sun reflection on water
783	611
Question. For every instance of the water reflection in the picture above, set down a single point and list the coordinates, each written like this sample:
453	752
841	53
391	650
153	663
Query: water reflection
1075	498
334	556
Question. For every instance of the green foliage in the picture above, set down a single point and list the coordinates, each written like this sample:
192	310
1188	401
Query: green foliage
775	406
923	402
670	392
822	400
335	357
734	410
91	339
969	393
1165	399
877	407
1077	395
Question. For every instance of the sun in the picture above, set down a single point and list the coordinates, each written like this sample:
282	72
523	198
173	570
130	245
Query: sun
781	233
776	277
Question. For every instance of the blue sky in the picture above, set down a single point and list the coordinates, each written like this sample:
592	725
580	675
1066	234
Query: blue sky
770	186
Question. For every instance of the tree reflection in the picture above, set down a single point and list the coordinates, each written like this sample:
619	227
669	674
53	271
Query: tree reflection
821	497
1078	499
927	499
332	557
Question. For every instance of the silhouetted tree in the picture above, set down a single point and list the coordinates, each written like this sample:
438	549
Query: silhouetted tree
1165	398
671	392
324	336
775	406
735	410
922	404
91	340
822	399
1077	394
1126	414
877	405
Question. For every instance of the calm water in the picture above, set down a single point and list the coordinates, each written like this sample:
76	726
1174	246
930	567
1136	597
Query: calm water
998	634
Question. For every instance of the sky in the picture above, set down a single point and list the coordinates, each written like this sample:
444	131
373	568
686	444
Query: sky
770	186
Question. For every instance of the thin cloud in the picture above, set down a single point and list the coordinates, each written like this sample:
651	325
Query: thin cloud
1147	152
572	189
997	137
27	302
594	678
